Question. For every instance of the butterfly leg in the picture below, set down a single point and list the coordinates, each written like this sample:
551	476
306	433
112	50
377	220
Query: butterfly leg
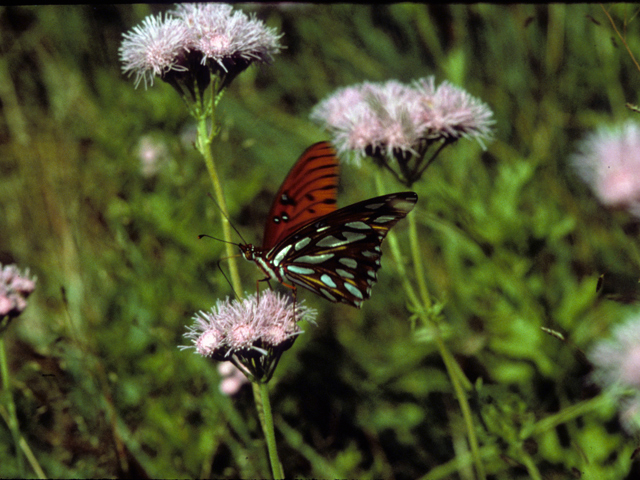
258	286
295	303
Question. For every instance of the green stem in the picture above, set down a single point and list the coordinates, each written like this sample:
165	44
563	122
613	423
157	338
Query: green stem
448	470
417	262
530	465
261	394
204	112
219	196
457	379
569	413
203	143
424	308
11	408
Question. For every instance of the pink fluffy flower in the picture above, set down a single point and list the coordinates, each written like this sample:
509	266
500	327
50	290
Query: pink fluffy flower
154	48
617	369
608	160
396	124
194	41
227	36
15	288
450	112
252	332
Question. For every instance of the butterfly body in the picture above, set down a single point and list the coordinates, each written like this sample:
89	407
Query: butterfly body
334	253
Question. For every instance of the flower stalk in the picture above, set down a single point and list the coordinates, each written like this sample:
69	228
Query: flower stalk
428	313
262	390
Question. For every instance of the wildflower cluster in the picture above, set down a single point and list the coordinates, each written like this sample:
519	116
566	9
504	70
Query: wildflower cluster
15	288
608	160
194	43
395	124
252	332
617	370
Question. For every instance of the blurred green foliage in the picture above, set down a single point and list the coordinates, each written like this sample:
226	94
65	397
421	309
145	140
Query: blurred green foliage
513	242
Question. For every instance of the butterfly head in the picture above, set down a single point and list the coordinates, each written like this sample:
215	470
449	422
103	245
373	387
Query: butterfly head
248	251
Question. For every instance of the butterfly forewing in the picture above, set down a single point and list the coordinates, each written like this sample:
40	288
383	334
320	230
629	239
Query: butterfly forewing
338	255
308	192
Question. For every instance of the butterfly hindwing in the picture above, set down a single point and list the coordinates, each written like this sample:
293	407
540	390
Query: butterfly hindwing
308	192
338	255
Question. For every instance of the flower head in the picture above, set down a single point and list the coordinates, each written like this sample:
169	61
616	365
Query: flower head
15	288
370	117
451	113
396	123
194	41
226	37
608	160
154	48
617	369
252	332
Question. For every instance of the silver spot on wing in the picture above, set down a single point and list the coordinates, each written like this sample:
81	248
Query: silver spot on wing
328	294
348	262
358	225
315	258
353	290
302	243
403	205
344	273
326	279
374	206
349	237
384	219
300	270
280	255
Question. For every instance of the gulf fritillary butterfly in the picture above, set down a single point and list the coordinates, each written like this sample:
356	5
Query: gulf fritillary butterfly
334	253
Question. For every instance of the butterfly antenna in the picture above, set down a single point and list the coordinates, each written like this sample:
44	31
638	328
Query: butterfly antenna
227	278
228	219
202	235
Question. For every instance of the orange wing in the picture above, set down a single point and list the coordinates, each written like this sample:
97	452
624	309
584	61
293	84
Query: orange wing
308	192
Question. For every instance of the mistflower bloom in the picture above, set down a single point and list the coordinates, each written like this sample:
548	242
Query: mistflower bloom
232	40
15	288
396	124
608	161
369	117
154	48
195	41
617	369
252	332
448	112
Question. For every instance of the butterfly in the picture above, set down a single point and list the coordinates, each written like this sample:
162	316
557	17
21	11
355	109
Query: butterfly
308	242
